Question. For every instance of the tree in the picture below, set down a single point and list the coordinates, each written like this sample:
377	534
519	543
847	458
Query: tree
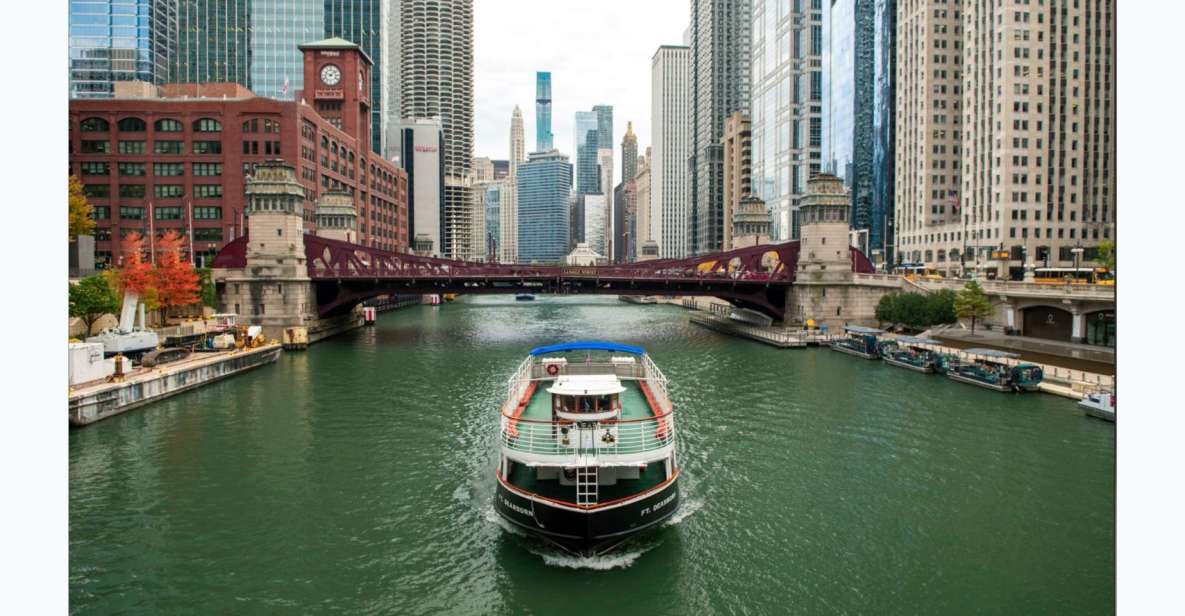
971	303
209	293
940	307
92	298
886	309
1107	254
135	276
176	281
82	220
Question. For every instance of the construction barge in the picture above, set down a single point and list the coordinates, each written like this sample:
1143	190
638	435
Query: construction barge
96	400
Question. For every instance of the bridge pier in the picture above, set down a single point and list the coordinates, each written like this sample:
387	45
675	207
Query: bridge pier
273	288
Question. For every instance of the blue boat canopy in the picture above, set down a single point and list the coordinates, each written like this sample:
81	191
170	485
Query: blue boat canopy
588	345
992	353
856	329
913	340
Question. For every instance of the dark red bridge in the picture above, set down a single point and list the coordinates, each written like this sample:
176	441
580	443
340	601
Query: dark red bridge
345	274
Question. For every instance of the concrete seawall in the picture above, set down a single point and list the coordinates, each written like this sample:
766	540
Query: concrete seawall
92	402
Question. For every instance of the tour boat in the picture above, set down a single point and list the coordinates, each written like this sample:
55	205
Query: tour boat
1100	405
524	297
989	369
860	341
910	353
587	437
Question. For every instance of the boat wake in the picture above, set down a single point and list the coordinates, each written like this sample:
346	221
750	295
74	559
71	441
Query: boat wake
604	562
492	516
684	512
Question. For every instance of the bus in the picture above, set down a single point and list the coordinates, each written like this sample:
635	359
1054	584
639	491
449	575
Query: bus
1070	275
917	271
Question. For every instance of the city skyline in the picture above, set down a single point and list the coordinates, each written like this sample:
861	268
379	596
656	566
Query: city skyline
588	66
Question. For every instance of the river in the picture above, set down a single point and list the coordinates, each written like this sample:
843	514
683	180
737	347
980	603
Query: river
357	477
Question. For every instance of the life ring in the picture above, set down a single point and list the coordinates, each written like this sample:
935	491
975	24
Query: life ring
553	369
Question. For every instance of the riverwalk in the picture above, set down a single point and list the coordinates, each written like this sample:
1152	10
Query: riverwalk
1058	380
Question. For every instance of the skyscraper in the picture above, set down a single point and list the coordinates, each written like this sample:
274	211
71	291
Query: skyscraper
544	183
737	151
1009	149
277	27
213	42
436	80
720	80
586	140
543	137
629	153
670	111
788	101
508	247
366	23
120	40
421	141
858	113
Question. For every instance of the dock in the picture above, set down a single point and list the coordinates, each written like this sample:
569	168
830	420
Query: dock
91	402
781	338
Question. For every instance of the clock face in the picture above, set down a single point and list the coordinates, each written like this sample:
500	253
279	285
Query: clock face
331	75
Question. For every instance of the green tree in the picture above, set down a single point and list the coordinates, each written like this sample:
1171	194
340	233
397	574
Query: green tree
92	298
209	293
81	220
971	303
1107	254
940	307
886	308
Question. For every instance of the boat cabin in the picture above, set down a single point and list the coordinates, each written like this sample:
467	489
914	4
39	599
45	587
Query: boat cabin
586	397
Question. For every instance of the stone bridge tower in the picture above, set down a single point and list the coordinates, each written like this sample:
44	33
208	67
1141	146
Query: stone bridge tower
825	291
274	289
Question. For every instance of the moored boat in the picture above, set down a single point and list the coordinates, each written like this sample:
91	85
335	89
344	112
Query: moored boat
911	353
587	438
989	368
1100	405
858	341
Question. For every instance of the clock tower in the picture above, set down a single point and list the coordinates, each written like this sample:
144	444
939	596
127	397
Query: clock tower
337	85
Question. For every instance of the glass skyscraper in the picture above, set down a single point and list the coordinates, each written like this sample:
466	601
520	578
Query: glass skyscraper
362	22
543	137
277	27
493	214
213	42
858	128
119	40
543	187
585	143
788	105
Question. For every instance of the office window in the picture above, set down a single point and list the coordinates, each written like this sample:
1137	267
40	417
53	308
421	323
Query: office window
168	169
131	191
207	147
96	147
131	169
131	147
207	169
101	212
207	191
131	213
100	191
201	234
132	125
94	125
167	213
207	125
169	191
93	168
168	125
207	213
168	147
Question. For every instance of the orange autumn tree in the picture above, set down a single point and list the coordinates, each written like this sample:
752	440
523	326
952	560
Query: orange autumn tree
176	281
135	275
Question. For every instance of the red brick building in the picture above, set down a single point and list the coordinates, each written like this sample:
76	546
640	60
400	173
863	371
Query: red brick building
178	160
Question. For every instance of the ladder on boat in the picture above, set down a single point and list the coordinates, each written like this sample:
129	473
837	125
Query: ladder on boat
586	485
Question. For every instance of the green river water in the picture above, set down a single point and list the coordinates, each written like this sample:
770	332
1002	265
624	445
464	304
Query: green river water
357	478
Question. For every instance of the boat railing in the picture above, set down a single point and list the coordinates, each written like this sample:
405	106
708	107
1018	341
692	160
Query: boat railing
605	438
516	386
621	370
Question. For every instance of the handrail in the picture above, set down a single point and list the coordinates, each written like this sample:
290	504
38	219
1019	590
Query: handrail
570	439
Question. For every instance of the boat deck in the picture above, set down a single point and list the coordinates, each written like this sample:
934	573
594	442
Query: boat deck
634	403
524	477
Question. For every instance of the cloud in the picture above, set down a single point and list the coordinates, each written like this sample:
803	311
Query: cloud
598	53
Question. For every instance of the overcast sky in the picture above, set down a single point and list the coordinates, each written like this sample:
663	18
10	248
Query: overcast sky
597	52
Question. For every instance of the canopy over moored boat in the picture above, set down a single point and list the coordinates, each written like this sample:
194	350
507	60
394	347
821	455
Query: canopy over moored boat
588	345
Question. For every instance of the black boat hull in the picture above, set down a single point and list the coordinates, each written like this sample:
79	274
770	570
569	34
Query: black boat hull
587	532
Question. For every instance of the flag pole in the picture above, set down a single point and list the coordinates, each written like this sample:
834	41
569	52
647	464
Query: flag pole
192	257
151	236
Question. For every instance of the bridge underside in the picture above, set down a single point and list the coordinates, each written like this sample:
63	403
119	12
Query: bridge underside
338	296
